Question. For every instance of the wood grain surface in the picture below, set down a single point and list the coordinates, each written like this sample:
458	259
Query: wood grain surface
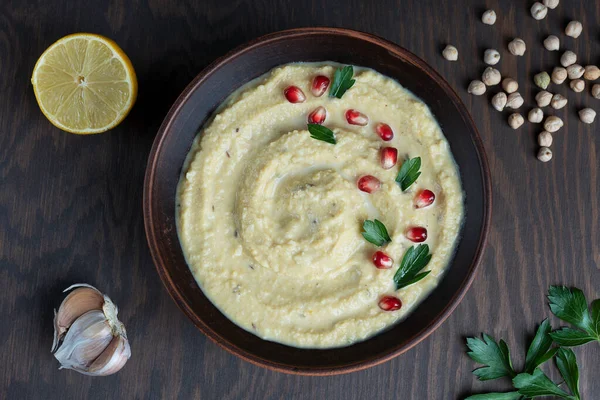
71	207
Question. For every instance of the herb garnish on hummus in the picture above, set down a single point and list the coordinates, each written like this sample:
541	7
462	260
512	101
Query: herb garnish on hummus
376	232
320	132
414	260
342	81
409	172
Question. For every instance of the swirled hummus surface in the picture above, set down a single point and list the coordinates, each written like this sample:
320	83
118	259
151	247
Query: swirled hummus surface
270	219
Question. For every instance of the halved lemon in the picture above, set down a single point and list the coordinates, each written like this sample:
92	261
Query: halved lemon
84	83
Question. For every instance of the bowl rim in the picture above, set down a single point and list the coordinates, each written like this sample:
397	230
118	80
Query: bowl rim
151	232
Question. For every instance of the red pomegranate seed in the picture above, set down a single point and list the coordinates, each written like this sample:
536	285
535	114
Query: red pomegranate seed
368	183
317	116
356	118
424	198
319	85
294	95
384	131
382	260
416	234
389	157
390	303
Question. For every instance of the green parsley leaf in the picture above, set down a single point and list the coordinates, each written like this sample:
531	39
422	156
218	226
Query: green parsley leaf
596	317
571	337
409	172
342	81
539	350
376	232
496	396
566	362
538	384
413	261
320	132
494	355
570	306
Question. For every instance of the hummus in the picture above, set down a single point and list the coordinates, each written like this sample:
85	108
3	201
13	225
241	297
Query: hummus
270	220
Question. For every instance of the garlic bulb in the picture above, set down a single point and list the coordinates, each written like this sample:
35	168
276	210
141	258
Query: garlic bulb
88	336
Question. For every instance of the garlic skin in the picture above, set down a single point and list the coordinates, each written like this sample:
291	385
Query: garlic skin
77	303
112	359
88	336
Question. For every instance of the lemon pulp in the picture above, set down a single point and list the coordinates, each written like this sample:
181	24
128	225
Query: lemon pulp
84	83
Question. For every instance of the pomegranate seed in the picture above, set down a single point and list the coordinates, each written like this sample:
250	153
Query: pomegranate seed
416	234
384	131
368	183
390	303
319	85
389	157
294	95
424	198
356	118
317	116
382	260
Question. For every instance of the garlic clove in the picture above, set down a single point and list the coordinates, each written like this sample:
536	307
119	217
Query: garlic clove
88	336
112	359
85	340
81	300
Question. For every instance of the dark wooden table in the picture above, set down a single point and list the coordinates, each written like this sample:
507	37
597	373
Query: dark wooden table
71	206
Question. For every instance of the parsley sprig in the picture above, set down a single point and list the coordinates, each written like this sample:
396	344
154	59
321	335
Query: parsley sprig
566	362
413	261
538	384
342	81
494	355
571	306
320	132
539	350
568	304
376	232
409	172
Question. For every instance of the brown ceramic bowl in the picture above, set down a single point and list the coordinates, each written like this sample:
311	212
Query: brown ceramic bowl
197	103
